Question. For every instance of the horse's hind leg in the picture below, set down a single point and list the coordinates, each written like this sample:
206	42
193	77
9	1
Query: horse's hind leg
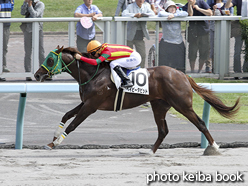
160	108
65	118
199	123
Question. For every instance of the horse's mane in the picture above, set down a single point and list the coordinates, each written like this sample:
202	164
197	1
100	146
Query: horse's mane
73	51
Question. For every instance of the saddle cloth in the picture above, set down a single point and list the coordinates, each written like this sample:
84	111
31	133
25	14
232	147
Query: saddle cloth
138	76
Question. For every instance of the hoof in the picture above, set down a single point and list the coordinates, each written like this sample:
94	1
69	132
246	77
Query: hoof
46	147
211	151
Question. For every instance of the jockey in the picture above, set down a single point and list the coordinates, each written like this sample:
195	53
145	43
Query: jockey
118	55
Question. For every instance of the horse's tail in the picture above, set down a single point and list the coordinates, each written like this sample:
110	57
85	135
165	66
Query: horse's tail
214	101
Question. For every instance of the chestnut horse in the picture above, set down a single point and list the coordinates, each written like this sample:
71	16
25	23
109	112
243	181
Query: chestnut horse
167	88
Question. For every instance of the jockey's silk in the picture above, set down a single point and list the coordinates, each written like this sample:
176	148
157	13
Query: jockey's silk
115	51
110	52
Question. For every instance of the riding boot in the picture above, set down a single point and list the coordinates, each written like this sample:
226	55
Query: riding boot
126	81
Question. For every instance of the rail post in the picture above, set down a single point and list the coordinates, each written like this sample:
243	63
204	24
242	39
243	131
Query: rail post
20	121
205	118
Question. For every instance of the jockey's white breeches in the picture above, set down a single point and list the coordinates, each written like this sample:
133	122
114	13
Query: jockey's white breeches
127	62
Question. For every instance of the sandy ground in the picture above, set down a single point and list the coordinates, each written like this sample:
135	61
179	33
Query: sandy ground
119	167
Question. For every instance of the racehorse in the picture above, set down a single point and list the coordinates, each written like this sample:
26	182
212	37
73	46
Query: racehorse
167	88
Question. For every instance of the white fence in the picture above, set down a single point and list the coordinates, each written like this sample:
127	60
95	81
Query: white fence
115	31
103	23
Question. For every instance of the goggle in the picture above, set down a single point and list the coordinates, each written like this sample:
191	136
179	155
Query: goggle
93	53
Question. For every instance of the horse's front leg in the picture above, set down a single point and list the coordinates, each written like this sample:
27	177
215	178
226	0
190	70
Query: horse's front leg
83	113
65	118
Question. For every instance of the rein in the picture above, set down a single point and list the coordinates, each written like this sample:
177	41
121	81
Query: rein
81	84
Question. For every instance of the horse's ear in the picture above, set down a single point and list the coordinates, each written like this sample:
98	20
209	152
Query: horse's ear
57	47
59	50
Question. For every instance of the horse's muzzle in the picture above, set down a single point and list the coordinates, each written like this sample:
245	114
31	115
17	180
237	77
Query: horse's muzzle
41	74
41	77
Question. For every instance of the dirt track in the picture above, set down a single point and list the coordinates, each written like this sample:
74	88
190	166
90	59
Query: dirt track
122	167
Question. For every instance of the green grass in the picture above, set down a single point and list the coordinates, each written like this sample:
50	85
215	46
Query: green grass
65	8
229	99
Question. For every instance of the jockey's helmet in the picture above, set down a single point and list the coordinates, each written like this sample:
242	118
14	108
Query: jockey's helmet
93	46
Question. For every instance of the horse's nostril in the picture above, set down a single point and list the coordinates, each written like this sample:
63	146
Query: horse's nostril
37	77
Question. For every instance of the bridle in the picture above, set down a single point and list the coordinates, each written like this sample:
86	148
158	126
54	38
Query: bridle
58	61
58	69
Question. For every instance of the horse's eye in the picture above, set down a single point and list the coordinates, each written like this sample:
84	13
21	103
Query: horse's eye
50	62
